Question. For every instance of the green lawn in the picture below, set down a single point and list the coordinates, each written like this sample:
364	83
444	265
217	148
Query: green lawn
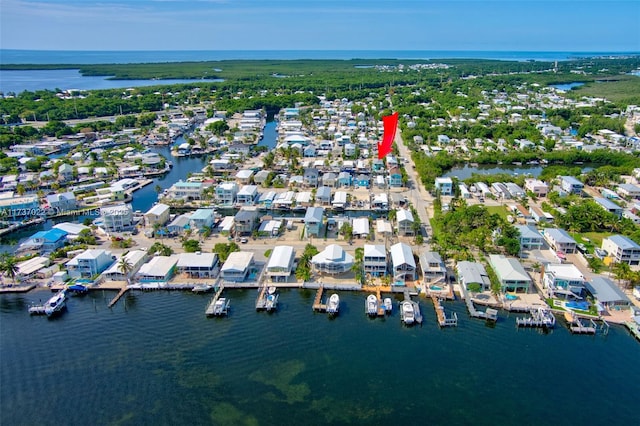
501	210
623	88
593	238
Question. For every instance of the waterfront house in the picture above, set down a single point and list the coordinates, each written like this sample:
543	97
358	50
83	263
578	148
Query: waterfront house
510	274
243	177
514	190
403	264
563	279
201	219
197	265
266	199
332	260
360	227
245	220
538	215
339	200
158	269
238	266
433	268
309	151
38	266
622	249
270	228
186	191
226	193
380	182
280	265
313	221
118	218
303	199
444	185
560	240
64	202
323	195
179	224
135	259
44	242
530	238
571	185
71	228
89	263
609	206
15	208
405	222
377	166
380	202
375	260
310	177
247	195
158	214
607	294
384	228
473	273
536	186
394	179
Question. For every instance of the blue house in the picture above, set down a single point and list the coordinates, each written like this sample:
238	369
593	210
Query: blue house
377	166
45	242
313	221
344	179
395	177
363	181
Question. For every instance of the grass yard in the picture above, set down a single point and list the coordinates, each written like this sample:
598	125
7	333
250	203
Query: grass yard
594	239
501	210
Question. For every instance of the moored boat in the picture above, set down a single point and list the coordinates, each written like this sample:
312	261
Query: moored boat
202	288
334	304
371	305
52	306
408	313
388	305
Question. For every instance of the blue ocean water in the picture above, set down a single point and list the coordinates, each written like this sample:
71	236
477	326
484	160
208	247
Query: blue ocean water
12	56
155	359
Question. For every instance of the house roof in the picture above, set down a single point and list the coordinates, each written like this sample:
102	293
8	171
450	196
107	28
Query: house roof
528	231
473	272
158	209
559	235
238	261
508	268
361	226
333	253
625	243
401	254
607	204
244	174
281	257
52	235
403	215
195	260
313	215
566	271
158	266
374	250
605	290
201	214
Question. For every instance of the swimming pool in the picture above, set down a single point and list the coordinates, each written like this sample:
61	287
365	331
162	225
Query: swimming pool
583	306
435	287
510	296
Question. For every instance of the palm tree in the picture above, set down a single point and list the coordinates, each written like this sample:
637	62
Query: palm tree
125	267
9	266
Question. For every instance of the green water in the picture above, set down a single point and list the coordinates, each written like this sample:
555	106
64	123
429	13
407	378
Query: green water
157	359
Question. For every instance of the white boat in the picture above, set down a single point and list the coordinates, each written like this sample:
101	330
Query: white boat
202	288
272	290
221	306
56	303
372	305
388	305
408	314
272	300
334	304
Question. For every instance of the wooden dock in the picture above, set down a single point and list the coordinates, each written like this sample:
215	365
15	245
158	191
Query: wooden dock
633	328
263	302
381	310
121	293
576	326
210	311
443	321
490	314
318	306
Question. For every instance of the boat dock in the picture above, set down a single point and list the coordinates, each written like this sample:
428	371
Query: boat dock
214	308
633	328
318	306
266	300
416	306
576	326
121	293
381	309
490	314
443	321
539	318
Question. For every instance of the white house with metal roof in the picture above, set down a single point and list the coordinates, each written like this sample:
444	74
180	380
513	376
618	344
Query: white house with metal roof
247	195
622	249
530	238
433	268
403	265
564	279
89	263
280	263
135	259
609	206
510	273
158	269
238	266
332	260
473	273
198	265
405	221
158	214
361	227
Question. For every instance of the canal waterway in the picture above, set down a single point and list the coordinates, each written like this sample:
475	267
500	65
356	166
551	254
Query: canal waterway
156	359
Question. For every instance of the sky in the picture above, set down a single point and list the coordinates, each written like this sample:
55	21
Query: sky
520	25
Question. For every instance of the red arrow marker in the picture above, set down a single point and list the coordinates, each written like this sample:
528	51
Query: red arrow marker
390	123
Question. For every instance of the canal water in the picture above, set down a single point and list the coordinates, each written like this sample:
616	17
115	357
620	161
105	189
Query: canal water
156	359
